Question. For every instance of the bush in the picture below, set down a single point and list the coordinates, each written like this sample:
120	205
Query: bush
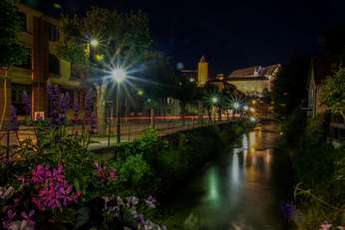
135	174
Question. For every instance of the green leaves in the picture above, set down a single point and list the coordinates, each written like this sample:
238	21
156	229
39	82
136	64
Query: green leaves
333	93
12	51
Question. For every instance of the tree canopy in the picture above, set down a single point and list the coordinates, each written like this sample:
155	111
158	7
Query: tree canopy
121	37
333	93
290	89
12	51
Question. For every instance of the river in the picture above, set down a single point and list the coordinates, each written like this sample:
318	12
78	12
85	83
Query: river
235	191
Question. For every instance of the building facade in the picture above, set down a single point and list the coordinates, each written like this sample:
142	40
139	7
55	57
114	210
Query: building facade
203	72
41	35
255	80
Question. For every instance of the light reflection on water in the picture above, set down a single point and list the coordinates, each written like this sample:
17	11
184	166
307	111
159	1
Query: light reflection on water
234	192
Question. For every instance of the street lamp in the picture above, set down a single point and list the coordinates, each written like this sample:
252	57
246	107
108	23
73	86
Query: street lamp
118	75
140	92
236	105
94	42
214	100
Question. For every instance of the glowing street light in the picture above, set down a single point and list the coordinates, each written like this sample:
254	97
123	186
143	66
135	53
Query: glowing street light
94	42
140	92
252	110
236	105
118	75
252	119
214	100
245	107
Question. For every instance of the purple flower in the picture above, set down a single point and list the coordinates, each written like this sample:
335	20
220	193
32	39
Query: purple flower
288	210
27	103
132	201
76	111
93	123
28	217
13	125
151	202
10	215
141	219
53	189
89	100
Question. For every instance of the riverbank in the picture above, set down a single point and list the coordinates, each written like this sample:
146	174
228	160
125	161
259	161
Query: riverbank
234	190
59	183
317	170
155	165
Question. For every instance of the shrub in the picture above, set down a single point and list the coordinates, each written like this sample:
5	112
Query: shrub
135	174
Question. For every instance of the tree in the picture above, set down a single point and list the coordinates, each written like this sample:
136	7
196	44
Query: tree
206	94
289	88
333	93
119	39
12	51
186	92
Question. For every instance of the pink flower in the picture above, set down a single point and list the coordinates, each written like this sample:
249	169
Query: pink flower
325	226
53	190
113	175
104	172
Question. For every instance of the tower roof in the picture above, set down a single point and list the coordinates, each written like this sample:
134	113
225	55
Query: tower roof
203	59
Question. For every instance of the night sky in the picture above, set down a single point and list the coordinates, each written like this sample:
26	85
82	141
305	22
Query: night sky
231	34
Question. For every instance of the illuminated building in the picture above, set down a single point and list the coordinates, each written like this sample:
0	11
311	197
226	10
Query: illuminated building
254	80
202	72
40	36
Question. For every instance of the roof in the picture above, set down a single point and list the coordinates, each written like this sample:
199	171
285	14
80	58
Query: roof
323	67
254	72
203	59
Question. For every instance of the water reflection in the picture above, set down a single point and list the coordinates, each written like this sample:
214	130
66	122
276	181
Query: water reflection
234	192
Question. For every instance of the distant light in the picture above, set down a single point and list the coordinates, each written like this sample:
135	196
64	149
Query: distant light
179	66
252	119
214	100
245	107
57	6
149	100
191	79
253	102
118	74
252	109
236	105
94	42
99	57
140	92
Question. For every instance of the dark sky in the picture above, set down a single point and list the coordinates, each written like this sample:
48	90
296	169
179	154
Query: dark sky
231	34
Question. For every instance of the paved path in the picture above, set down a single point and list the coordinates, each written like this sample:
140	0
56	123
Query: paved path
129	132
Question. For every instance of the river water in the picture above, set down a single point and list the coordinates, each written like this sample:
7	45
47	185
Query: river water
235	191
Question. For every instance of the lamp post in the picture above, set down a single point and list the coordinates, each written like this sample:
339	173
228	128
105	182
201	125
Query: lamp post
118	74
214	101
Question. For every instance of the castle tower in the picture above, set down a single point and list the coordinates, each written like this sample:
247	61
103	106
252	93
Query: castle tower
202	71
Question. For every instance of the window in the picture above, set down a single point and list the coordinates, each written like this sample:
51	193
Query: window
27	63
54	64
53	32
17	97
23	21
